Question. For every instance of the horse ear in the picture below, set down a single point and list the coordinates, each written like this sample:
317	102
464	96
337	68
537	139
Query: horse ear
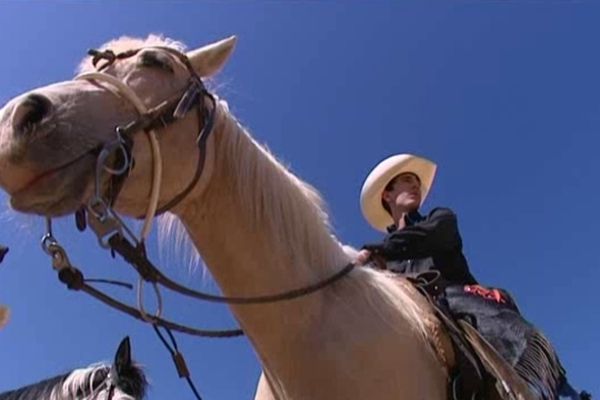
123	356
209	59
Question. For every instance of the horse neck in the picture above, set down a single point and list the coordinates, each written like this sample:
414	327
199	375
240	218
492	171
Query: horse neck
259	229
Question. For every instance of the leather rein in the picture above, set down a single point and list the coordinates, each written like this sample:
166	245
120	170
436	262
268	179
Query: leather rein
112	232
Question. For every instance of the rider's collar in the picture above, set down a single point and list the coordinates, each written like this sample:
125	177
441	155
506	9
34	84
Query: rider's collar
410	219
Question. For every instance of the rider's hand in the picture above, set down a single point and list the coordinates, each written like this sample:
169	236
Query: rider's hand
363	257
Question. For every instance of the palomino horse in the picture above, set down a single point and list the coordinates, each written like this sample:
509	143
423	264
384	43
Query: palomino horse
259	228
123	380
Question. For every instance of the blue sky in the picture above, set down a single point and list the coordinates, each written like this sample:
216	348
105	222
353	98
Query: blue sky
504	96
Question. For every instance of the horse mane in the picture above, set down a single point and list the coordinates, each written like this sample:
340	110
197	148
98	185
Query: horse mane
285	207
282	207
83	383
293	211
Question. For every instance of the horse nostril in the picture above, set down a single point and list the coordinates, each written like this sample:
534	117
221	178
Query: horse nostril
30	112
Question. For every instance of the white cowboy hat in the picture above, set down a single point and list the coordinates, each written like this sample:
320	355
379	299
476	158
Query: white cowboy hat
381	175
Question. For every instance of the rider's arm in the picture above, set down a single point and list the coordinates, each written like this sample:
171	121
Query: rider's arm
438	233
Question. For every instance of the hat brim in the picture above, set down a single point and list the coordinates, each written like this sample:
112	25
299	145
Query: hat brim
382	174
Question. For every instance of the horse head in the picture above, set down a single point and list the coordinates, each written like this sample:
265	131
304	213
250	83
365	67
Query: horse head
51	137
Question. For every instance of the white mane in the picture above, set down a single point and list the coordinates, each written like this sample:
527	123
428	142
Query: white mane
285	207
82	380
282	205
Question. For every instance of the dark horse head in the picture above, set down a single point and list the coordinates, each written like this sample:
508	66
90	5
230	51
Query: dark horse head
123	380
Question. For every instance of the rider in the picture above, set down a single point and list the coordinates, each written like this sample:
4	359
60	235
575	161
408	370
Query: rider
415	244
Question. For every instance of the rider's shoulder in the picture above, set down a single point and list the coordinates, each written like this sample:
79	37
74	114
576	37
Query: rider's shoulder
441	212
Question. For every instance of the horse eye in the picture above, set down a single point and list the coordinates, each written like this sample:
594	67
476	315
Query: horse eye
154	59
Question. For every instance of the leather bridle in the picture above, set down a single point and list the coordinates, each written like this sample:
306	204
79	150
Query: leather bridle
113	233
161	115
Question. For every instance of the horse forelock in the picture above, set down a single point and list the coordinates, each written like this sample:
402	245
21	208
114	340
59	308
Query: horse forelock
93	382
84	380
125	43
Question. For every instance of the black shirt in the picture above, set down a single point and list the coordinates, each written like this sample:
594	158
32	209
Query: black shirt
425	244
